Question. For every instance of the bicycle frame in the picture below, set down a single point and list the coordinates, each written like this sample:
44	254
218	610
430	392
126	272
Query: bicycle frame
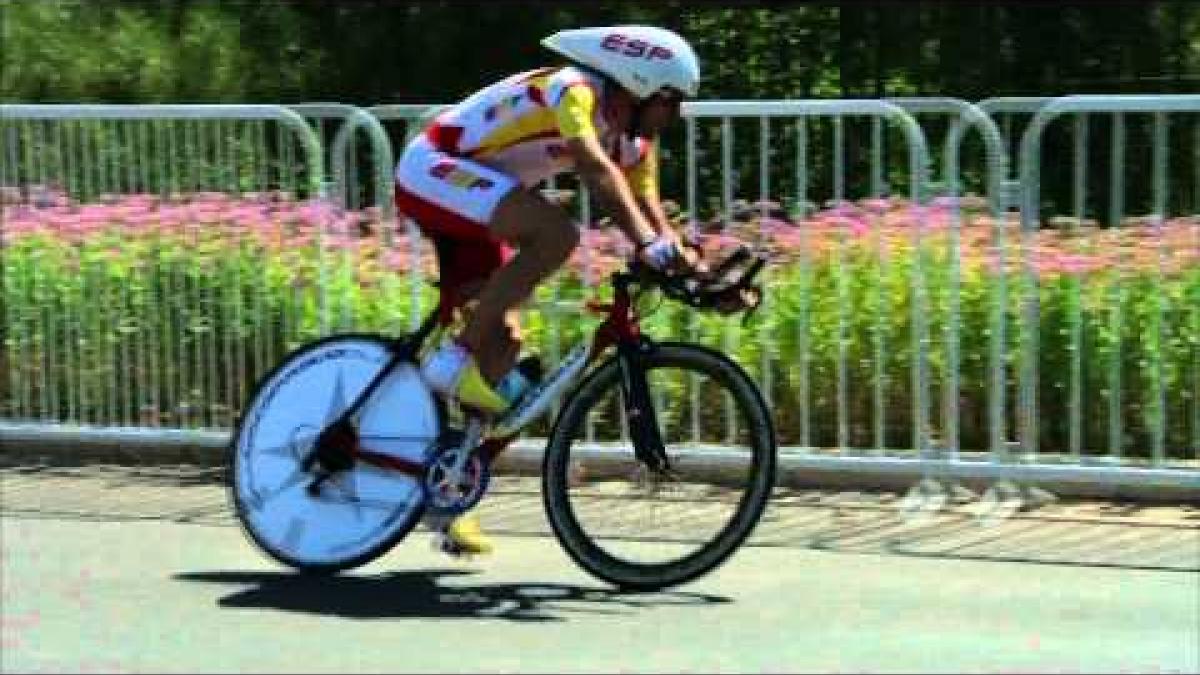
337	446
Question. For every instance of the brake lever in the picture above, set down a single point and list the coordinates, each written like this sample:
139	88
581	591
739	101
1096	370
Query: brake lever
753	308
744	284
674	286
734	259
753	270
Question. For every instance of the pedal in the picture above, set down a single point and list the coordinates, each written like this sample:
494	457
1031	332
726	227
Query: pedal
444	544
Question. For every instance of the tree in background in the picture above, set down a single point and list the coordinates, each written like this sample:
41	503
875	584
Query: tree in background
390	52
374	51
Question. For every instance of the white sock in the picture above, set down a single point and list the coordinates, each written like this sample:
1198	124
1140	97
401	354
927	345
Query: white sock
443	368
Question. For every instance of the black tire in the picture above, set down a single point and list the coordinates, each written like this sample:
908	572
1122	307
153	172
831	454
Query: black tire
321	569
712	552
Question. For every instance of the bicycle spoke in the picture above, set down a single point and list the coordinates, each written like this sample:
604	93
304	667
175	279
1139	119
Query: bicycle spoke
637	527
337	403
295	448
351	498
345	485
260	499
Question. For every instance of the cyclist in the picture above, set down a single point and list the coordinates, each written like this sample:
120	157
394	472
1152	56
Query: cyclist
468	182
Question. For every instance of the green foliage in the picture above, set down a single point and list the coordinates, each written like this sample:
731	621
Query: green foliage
172	330
117	52
367	53
376	52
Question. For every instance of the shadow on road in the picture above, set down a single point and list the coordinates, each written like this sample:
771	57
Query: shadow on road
1079	533
419	594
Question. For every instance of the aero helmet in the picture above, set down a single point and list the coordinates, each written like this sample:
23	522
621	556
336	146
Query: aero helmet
642	59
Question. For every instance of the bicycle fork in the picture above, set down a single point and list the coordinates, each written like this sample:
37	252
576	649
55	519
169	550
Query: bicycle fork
639	406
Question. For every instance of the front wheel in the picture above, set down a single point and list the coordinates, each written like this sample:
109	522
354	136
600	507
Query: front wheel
640	529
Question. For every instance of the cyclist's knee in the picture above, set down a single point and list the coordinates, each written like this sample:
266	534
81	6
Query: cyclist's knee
526	219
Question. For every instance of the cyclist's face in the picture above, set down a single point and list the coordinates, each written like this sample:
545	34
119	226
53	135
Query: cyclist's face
661	111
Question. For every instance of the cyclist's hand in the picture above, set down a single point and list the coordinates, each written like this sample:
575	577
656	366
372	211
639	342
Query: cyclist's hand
668	254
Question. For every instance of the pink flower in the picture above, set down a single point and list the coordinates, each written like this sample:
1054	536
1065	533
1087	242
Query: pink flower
855	225
877	205
774	224
788	239
1069	263
714	242
318	211
397	259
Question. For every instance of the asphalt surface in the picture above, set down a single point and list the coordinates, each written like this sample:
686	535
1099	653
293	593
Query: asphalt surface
143	569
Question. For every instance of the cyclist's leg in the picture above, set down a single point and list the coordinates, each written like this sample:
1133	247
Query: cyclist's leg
467	265
452	208
544	236
481	211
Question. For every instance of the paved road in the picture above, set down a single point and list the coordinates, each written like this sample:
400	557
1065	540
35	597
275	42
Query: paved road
134	570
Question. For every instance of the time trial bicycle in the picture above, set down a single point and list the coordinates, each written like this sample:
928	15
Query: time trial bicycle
342	448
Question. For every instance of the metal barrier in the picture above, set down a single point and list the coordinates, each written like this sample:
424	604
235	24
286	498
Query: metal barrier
805	114
1009	113
1004	112
121	310
1123	263
329	122
345	166
853	349
965	116
413	116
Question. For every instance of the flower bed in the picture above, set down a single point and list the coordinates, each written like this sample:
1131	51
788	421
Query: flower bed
175	305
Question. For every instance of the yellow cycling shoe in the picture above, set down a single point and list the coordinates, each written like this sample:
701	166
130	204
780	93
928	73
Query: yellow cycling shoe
474	391
451	371
464	537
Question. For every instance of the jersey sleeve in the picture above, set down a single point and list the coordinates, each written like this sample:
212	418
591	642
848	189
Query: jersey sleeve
643	176
574	112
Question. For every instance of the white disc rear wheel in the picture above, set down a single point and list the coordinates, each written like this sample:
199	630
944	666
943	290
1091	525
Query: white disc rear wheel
360	513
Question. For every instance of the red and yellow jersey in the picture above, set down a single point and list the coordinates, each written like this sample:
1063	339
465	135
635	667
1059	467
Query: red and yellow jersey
519	126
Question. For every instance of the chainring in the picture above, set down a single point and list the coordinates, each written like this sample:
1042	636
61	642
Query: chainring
445	496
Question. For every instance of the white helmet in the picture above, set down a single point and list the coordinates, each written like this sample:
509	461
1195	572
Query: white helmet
642	59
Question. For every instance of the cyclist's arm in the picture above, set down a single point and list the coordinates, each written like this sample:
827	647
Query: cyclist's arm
602	176
643	179
606	181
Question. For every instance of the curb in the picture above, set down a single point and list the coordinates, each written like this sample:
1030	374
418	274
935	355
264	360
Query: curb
972	472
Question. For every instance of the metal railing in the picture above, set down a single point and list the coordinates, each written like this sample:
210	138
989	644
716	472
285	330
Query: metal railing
122	305
1158	108
811	372
964	117
344	163
803	114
